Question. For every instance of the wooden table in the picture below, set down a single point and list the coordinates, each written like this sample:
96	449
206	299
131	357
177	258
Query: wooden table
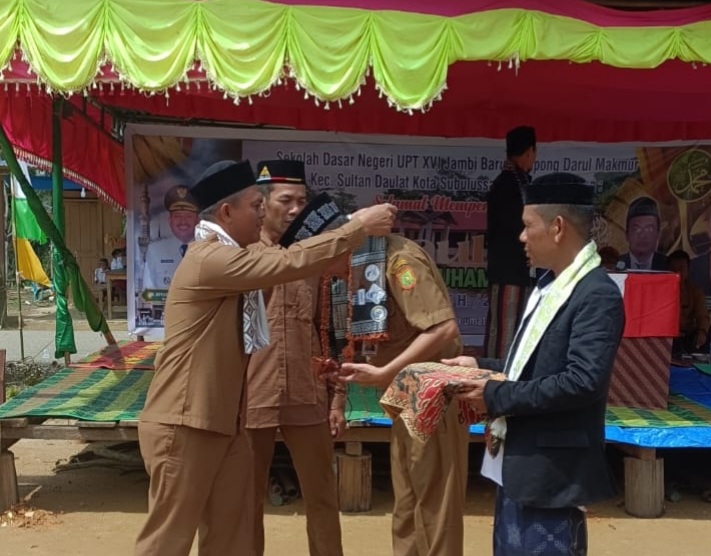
644	471
113	276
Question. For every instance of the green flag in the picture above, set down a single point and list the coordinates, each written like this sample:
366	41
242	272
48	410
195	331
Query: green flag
26	225
66	265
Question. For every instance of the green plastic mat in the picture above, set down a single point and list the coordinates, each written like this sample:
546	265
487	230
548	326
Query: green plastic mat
364	403
681	412
86	394
703	367
109	395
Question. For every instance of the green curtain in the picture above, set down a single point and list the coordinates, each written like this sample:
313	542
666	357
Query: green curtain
64	327
244	45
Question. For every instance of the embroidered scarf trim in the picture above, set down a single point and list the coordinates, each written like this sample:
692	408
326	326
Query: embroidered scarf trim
354	307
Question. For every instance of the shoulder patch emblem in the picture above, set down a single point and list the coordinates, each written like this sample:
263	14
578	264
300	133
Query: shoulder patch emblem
406	277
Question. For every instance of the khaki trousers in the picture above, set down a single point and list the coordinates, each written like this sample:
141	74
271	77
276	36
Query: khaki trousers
429	483
198	480
311	449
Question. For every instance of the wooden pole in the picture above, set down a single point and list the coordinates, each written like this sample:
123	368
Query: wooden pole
9	493
3	254
19	289
644	487
19	311
354	476
3	356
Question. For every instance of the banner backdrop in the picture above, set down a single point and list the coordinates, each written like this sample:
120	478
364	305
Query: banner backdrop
440	187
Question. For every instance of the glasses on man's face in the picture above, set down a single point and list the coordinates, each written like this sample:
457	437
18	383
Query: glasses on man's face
646	230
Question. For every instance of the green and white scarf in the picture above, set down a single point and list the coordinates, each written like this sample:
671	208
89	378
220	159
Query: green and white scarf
255	329
543	307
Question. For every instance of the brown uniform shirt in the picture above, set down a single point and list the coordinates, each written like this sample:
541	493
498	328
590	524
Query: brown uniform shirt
282	388
417	300
200	369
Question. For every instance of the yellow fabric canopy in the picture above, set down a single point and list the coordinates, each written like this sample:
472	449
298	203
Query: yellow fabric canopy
245	45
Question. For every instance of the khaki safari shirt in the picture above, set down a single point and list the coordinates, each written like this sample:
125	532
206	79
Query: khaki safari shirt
417	300
282	388
200	370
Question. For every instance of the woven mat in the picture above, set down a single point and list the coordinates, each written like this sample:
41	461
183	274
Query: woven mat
682	412
124	356
109	395
364	403
86	394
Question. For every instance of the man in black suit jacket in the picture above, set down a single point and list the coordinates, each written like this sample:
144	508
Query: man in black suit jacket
551	410
507	269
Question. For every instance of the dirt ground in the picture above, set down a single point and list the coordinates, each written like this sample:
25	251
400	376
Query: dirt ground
40	314
99	510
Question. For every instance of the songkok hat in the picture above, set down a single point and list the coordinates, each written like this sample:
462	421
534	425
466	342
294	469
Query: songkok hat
314	219
281	171
642	206
221	180
558	189
519	140
178	197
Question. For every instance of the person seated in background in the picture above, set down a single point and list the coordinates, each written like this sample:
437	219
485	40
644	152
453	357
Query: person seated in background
100	271
693	316
118	259
118	287
608	257
100	280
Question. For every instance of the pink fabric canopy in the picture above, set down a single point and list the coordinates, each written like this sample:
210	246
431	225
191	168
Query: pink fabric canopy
564	101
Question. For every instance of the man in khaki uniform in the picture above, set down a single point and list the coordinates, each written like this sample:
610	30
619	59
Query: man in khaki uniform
282	389
192	427
429	479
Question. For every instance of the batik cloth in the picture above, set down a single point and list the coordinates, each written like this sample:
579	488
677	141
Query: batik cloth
421	393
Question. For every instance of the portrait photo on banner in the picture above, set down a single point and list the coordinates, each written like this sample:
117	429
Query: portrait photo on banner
661	207
163	215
